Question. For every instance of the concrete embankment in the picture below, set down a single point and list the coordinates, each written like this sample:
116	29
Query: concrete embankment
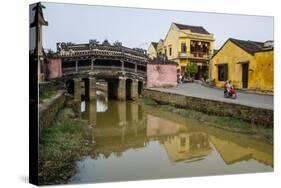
259	116
49	109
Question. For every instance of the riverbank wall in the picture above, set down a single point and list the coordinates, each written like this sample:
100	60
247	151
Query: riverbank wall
258	116
49	109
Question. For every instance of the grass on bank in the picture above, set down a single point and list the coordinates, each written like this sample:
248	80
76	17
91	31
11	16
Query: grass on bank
224	122
47	94
60	145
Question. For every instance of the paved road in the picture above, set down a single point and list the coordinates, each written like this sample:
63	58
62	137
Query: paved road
197	90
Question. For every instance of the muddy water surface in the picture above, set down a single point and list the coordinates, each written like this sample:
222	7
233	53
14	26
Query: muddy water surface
135	142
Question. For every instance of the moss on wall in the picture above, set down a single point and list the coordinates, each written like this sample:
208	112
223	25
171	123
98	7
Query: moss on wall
258	116
49	109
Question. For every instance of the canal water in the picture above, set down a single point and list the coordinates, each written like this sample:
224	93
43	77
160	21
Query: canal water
135	142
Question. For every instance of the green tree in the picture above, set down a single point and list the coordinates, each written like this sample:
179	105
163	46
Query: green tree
191	69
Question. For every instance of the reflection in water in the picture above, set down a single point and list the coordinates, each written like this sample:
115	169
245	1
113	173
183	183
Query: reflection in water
188	147
101	106
139	142
102	102
83	106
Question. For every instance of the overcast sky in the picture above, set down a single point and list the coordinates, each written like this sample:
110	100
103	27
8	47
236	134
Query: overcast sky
138	27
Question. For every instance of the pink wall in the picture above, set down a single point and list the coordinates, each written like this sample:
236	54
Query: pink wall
54	68
161	75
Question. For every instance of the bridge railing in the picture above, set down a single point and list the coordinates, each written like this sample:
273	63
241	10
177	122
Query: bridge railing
141	72
84	68
68	70
127	69
113	68
106	53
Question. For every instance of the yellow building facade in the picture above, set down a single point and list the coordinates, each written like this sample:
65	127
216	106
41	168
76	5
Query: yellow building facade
187	44
152	50
247	64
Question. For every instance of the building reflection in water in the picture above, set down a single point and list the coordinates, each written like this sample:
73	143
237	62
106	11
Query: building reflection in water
232	152
120	126
188	147
180	144
134	142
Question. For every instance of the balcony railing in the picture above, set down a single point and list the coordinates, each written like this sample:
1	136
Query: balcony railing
195	55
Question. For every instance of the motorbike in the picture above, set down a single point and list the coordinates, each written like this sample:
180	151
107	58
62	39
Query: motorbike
230	93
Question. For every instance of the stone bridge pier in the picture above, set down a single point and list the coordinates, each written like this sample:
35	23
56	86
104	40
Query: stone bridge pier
120	88
90	88
78	84
127	89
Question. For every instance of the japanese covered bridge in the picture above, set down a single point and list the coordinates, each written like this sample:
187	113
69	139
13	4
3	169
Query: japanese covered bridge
124	69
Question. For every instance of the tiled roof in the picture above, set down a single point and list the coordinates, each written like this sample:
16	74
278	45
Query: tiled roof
215	52
154	44
193	29
249	46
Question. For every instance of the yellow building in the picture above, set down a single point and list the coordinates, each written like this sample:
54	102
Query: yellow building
184	44
247	64
152	50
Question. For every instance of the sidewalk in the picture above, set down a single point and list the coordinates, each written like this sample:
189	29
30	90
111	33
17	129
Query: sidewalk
197	90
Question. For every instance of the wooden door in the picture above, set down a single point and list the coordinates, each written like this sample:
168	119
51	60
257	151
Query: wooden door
245	70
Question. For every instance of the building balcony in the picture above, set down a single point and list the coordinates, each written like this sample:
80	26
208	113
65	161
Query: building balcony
195	55
182	54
